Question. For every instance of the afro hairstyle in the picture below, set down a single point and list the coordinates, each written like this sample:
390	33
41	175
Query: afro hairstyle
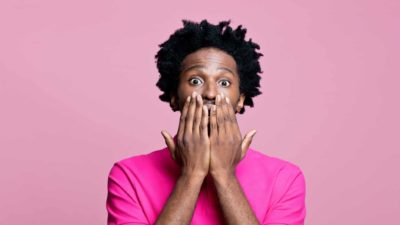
194	36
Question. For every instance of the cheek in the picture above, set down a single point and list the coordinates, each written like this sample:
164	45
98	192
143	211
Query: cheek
182	96
232	98
232	93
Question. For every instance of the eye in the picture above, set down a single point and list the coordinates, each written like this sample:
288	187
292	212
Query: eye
195	81
225	83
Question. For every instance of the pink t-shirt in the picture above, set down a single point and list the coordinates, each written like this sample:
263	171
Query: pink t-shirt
139	187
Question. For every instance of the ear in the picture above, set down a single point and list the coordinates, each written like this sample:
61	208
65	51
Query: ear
174	103
240	103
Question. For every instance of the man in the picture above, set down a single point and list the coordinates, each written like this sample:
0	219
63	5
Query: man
207	174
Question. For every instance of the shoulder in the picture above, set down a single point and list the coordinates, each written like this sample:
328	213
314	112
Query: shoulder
285	183
145	160
286	178
281	173
273	165
144	165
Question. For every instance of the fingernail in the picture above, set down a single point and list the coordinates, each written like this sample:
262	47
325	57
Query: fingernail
227	99
188	98
205	110
194	94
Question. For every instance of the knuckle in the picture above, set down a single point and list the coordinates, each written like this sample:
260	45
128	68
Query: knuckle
238	138
179	138
189	117
183	118
186	140
198	115
227	117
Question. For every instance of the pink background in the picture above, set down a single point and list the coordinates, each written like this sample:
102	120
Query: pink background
77	93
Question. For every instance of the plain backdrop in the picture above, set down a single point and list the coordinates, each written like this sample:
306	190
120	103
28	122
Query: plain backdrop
77	93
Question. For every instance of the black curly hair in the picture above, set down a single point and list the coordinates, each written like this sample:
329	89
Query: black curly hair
194	36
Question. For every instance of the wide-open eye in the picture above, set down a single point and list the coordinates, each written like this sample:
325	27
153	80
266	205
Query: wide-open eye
195	81
225	83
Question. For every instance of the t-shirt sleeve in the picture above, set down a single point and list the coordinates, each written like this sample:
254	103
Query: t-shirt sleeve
122	203
288	201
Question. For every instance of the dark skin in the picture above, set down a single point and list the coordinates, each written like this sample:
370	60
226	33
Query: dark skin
209	141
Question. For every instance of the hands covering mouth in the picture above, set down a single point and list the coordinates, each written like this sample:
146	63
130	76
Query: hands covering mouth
208	142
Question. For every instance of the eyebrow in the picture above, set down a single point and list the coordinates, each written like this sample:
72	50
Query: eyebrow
202	67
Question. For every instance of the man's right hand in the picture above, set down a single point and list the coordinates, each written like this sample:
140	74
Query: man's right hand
192	147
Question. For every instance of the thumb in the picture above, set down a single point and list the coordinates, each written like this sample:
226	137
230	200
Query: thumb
170	142
248	138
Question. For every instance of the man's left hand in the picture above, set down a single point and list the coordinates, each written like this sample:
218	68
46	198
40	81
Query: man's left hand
227	145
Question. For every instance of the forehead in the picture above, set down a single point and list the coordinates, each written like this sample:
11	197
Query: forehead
209	57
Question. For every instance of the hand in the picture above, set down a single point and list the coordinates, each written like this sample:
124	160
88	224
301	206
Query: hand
227	145
192	147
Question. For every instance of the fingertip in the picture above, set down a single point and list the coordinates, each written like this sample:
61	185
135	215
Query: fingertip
198	98
185	106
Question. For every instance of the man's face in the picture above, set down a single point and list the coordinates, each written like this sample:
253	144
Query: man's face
209	71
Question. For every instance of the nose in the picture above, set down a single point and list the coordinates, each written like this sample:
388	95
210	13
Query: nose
209	92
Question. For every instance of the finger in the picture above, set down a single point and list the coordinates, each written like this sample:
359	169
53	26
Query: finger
204	122
182	119
234	126
225	114
170	142
190	114
248	138
213	123
220	116
198	115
